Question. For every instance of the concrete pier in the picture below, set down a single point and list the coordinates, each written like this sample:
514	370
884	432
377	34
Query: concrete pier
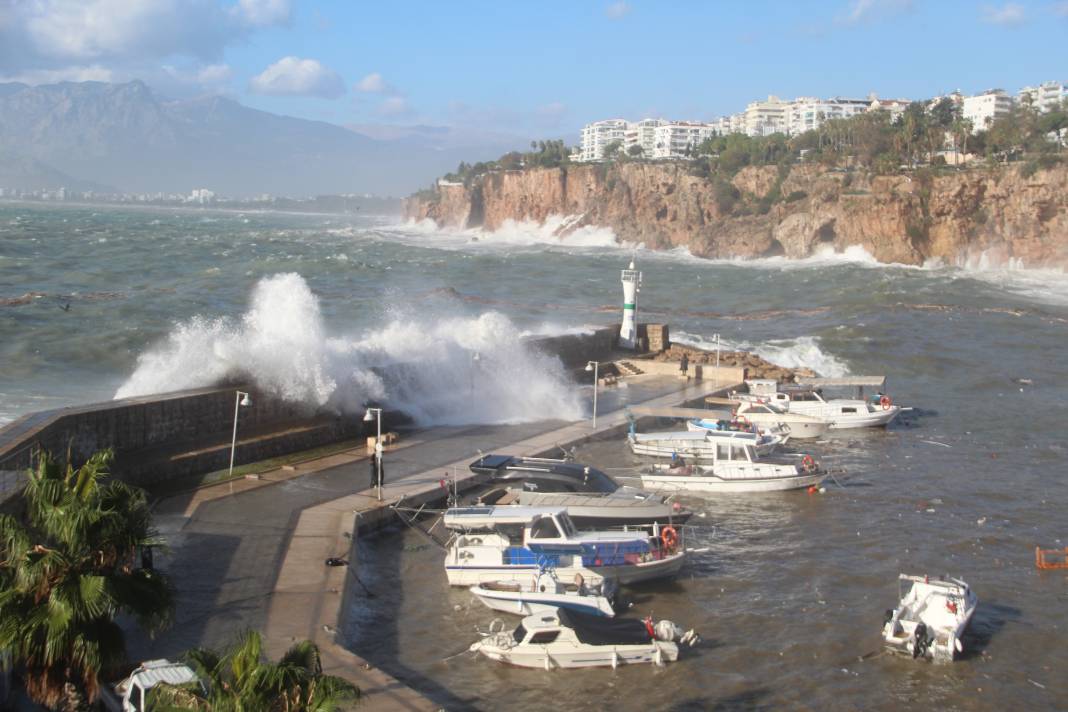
254	557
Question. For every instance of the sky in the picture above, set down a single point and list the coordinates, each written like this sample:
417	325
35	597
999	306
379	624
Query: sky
539	68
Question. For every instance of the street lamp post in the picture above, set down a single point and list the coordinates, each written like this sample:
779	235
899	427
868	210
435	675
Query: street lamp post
376	414
593	366
716	337
239	403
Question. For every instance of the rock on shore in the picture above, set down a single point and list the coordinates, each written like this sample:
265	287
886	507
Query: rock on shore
756	367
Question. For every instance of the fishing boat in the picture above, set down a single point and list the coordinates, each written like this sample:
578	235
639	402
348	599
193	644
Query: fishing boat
547	593
736	468
931	617
519	543
592	499
565	639
765	415
839	413
701	444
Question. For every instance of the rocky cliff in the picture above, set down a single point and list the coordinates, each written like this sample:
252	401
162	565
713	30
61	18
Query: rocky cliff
1005	213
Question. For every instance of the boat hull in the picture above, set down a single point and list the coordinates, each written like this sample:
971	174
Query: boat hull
639	572
525	603
583	656
710	484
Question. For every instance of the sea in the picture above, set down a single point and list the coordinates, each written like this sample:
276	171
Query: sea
790	591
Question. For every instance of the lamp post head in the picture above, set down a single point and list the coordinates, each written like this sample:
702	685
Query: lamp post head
590	365
367	417
246	401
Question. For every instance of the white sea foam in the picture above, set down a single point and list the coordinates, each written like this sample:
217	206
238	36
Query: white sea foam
422	365
556	230
800	352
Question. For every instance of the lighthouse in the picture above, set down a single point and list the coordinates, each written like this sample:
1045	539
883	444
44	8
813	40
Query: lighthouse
628	332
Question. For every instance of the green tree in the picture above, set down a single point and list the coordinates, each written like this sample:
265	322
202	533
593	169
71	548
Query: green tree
240	681
613	149
635	151
67	570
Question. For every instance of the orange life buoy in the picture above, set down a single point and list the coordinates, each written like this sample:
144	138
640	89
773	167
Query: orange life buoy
808	463
669	537
886	402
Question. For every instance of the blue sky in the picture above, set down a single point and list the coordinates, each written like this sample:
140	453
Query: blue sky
534	68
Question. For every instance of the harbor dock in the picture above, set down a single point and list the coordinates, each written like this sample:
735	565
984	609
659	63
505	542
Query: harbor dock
251	553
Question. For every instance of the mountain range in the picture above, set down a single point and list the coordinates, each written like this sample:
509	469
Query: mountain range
97	135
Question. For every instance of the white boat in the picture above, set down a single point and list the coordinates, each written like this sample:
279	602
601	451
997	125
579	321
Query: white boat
626	507
546	595
770	415
700	444
736	468
519	543
839	413
931	617
564	639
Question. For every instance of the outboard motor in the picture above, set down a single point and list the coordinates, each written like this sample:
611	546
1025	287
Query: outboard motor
920	641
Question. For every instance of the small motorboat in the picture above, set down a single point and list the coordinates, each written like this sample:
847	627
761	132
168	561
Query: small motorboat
508	543
840	413
701	444
767	415
565	639
593	499
931	618
546	594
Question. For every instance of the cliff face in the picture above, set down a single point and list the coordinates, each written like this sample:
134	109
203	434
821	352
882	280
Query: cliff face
998	212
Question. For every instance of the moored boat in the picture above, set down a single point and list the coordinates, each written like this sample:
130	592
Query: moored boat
840	413
931	617
547	593
564	639
736	469
519	543
700	444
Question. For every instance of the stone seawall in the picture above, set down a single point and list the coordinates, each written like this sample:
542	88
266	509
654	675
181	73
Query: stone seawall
171	435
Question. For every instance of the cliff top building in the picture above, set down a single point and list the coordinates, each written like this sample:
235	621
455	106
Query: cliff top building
982	109
1045	96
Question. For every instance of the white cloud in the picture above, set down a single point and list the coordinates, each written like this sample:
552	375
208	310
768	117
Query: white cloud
93	73
263	13
1009	14
867	10
1061	9
300	77
45	38
395	106
211	76
617	10
373	83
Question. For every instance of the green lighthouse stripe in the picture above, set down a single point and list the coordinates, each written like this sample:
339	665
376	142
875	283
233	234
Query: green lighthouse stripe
628	305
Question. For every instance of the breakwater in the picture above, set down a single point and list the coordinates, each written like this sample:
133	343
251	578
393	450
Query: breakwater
171	435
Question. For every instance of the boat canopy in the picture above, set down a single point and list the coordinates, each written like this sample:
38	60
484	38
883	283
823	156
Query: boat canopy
642	410
481	517
591	630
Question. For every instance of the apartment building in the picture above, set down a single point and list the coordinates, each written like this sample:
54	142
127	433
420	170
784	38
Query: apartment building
807	113
678	138
642	133
597	136
764	118
982	109
1045	96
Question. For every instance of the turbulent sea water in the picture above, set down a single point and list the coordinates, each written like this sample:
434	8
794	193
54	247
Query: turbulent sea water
792	591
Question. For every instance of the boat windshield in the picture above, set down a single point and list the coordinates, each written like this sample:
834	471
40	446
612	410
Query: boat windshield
567	526
544	528
598	481
519	634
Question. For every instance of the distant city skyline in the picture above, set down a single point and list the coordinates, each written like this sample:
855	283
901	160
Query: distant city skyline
537	69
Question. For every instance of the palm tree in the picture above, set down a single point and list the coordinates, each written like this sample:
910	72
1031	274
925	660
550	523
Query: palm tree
239	681
67	570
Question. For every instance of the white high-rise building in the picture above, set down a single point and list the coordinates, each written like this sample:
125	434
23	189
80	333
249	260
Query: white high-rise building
1044	97
642	133
764	118
678	138
894	107
598	135
807	113
982	109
